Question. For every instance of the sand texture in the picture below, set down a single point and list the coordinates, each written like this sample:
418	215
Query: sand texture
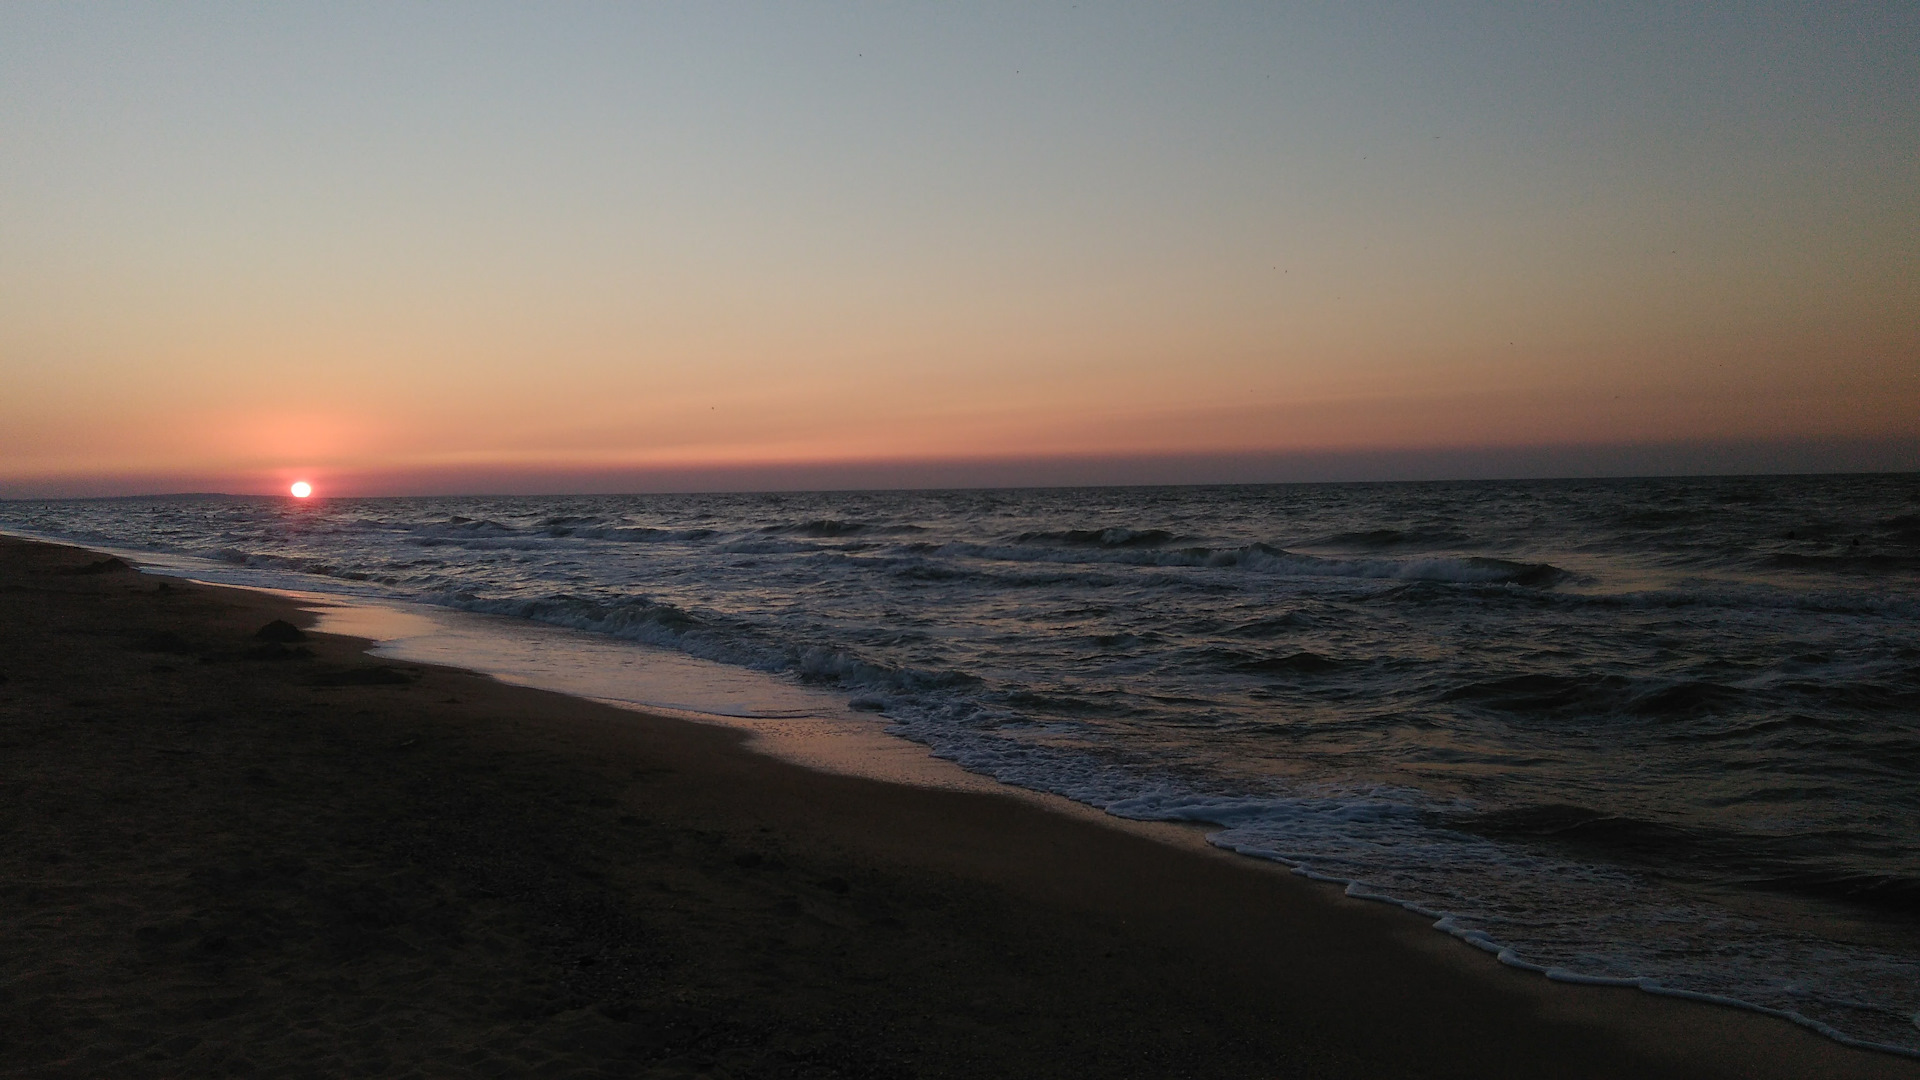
222	854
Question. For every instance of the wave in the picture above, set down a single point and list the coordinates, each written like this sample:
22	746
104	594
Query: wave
1895	894
1709	594
296	564
1300	663
1536	692
561	527
1850	563
476	525
1274	626
1718	856
627	533
1266	559
1069	574
1100	538
643	535
666	625
1687	699
828	528
1392	538
821	527
1570	823
1540	692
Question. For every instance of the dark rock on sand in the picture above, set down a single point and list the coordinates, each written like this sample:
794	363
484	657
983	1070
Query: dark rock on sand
280	630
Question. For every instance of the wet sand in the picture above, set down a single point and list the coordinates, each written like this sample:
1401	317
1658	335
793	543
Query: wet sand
225	855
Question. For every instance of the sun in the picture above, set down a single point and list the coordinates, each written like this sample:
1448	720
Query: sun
301	489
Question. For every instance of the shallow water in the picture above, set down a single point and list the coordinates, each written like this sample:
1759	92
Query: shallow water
1663	730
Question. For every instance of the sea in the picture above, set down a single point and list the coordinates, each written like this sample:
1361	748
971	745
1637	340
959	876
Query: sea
1652	732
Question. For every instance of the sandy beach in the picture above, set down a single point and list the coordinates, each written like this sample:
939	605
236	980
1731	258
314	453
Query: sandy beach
234	854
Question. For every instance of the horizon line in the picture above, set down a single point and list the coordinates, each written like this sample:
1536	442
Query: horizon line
483	494
1792	456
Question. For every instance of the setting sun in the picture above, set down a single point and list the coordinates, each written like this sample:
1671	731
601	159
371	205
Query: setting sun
301	489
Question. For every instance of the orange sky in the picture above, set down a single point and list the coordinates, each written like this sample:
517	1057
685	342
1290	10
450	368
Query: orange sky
242	246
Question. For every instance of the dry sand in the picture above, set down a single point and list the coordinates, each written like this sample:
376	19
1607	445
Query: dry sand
229	856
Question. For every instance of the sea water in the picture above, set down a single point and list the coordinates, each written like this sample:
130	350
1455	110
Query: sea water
1662	731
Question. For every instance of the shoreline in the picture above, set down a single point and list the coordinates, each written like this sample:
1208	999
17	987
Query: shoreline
862	749
805	917
809	728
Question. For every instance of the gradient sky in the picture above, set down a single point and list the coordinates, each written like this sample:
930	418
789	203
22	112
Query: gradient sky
409	247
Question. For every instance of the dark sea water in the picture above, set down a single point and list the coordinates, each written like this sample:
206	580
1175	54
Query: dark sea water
1664	731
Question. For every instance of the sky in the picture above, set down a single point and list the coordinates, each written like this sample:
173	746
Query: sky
405	248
